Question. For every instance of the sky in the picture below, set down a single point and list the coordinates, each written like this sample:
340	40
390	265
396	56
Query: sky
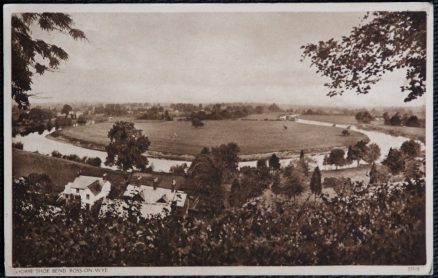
202	57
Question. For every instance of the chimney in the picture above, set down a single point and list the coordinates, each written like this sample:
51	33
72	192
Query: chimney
104	177
155	183
173	185
78	173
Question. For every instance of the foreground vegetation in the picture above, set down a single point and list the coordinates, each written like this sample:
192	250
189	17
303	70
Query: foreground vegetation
380	224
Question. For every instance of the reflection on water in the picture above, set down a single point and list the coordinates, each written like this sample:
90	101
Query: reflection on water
39	142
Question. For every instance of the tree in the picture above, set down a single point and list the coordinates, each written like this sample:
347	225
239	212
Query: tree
395	120
364	117
385	118
179	169
294	185
394	161
315	181
39	115
205	150
167	116
372	153
262	169
235	193
93	161
412	121
345	132
206	180
196	122
410	149
412	170
357	152
126	147
378	174
66	109
386	42
336	157
226	157
259	109
274	162
274	108
82	120
325	160
29	55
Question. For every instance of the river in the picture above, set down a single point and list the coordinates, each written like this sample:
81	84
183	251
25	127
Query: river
42	144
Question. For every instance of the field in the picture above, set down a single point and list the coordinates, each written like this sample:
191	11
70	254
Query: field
337	119
62	171
417	133
264	116
253	137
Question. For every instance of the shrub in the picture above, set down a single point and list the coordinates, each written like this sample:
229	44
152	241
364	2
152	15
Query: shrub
17	145
96	161
56	154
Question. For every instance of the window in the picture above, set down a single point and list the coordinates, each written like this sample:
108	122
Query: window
77	190
88	196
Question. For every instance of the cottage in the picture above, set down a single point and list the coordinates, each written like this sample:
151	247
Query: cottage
151	201
155	200
88	189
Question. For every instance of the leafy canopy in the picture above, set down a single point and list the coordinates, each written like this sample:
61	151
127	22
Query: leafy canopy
126	147
30	55
386	42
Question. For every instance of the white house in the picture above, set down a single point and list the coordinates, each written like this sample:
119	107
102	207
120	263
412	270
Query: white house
88	189
152	200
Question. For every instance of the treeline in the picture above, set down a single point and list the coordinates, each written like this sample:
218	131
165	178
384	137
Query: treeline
403	120
39	120
218	112
156	112
93	161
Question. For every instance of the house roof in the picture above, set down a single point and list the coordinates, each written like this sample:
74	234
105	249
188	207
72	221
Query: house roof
158	195
95	187
92	183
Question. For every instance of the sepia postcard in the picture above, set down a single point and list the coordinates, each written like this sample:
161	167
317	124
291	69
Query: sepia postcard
218	139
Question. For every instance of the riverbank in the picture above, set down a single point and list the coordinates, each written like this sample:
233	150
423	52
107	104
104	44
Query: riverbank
415	133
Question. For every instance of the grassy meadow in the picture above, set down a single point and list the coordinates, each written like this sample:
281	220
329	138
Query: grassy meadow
62	171
417	133
337	119
253	137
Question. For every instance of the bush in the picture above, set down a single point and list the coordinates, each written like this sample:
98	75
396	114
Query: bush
351	230
179	169
72	157
96	161
82	120
56	154
17	145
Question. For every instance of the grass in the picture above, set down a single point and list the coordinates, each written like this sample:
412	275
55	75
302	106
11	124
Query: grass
253	137
336	119
417	133
62	171
355	174
265	116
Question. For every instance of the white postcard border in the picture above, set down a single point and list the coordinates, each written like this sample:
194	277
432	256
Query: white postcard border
216	270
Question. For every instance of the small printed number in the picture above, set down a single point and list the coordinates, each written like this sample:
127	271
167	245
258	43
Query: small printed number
413	268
